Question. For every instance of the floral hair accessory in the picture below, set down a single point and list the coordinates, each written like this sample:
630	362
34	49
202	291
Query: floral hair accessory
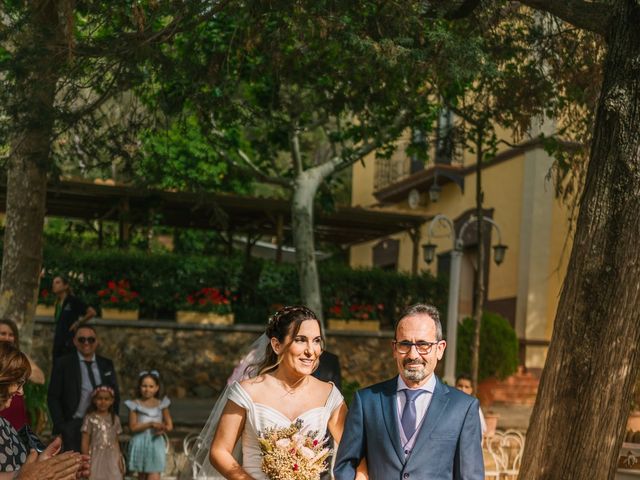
153	373
103	388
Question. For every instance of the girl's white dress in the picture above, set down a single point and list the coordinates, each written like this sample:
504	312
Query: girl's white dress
146	449
261	416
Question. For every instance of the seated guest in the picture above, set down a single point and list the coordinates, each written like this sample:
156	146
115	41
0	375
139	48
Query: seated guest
73	378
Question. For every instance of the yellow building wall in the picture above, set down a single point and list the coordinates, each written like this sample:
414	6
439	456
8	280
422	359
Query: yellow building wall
502	184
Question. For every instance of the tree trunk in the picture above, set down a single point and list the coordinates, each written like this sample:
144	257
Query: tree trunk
576	429
305	188
479	290
27	170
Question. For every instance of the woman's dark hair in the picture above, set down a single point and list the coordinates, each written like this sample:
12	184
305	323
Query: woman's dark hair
14	368
464	376
92	406
154	377
14	328
285	321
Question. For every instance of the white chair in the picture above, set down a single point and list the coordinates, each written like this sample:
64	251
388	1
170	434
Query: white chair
503	452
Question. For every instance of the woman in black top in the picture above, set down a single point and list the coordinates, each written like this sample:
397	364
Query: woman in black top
70	313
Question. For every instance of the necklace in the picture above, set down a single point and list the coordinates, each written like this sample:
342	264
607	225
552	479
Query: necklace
292	389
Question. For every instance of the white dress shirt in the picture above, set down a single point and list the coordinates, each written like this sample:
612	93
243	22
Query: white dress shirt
85	387
421	403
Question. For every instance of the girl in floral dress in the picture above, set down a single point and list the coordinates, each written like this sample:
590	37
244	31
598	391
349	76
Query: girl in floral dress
100	430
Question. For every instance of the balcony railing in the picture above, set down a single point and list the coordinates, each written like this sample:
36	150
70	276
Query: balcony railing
390	171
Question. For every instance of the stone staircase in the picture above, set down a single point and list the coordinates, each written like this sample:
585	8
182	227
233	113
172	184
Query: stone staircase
520	388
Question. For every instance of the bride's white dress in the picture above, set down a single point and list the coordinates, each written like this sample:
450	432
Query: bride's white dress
261	416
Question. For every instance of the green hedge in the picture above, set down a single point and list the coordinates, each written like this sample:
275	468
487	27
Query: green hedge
498	347
259	286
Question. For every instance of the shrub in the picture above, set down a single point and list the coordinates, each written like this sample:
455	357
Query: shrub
164	282
498	347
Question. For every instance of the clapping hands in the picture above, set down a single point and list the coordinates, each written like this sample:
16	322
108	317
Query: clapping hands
51	466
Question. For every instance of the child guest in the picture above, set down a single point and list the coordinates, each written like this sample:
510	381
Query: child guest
149	418
100	430
465	384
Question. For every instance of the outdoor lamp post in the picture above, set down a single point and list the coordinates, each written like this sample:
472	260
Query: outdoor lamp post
429	250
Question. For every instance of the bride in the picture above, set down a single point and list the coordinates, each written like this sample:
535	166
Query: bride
279	392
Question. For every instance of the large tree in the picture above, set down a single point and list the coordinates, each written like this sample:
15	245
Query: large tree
586	386
60	61
316	87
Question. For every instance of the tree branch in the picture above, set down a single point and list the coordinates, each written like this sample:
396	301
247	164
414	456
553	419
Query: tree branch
264	177
592	16
295	150
340	162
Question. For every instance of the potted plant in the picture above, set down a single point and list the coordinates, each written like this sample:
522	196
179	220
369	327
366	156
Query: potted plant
119	301
46	304
207	305
354	316
633	422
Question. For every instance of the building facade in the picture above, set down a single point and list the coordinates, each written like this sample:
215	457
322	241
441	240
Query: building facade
518	197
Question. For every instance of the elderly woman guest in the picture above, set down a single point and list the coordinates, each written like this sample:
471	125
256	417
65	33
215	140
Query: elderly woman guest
16	413
15	461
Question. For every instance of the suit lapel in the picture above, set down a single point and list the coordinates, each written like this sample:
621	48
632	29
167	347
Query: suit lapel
390	413
75	365
437	406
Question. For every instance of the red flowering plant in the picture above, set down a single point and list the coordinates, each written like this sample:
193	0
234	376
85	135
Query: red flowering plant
120	295
209	299
46	297
355	310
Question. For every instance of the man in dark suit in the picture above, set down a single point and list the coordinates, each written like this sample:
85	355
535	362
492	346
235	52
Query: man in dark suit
413	426
329	369
73	378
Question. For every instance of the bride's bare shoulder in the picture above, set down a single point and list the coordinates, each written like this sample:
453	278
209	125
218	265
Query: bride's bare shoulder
320	386
255	384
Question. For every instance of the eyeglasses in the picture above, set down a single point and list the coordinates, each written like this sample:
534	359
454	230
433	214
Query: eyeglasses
89	340
423	348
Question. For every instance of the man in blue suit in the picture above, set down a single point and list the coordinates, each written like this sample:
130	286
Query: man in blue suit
413	427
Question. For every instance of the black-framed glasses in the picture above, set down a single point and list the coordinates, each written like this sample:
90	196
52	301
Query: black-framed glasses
423	348
89	340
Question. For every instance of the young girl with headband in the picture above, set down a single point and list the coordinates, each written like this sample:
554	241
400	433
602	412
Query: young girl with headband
100	430
149	420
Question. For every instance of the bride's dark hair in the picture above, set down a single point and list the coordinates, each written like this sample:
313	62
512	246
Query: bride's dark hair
285	321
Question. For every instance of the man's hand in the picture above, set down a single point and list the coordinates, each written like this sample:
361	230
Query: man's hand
66	466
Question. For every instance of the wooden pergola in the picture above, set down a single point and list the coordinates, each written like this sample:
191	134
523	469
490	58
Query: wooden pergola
228	213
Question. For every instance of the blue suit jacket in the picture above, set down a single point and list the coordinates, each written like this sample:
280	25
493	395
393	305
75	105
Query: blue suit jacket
448	444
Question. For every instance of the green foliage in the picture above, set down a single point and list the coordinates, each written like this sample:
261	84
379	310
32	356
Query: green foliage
349	389
390	290
182	157
498	347
35	399
258	287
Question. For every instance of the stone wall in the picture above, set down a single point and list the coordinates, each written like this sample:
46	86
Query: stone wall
195	361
